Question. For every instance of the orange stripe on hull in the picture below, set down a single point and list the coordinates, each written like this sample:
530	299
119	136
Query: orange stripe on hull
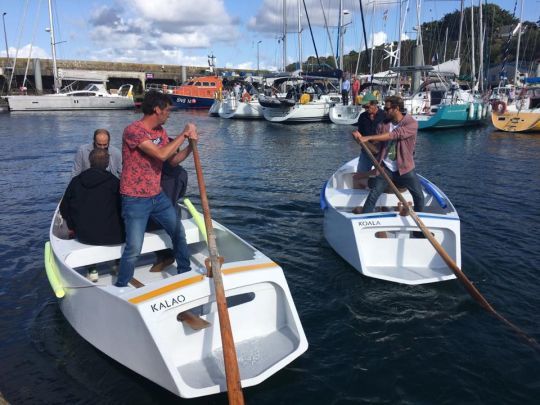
192	280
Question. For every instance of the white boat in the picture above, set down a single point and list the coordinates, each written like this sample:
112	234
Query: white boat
345	114
215	108
385	244
93	97
310	108
138	327
243	109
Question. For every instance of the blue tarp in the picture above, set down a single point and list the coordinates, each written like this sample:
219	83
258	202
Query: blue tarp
532	80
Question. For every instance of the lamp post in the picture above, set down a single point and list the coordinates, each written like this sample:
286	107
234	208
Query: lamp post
258	57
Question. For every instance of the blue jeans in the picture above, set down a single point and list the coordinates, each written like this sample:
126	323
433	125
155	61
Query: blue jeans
364	163
136	211
409	180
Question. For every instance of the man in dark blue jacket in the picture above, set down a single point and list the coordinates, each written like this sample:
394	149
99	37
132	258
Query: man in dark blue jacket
368	122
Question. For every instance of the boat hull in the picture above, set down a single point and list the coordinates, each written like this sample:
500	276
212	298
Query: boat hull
138	327
386	245
523	121
451	116
233	108
191	102
54	102
345	114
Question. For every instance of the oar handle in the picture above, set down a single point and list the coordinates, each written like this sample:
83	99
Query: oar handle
232	373
473	291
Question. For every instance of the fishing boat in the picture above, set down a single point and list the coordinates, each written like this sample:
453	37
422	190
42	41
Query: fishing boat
93	97
385	244
146	326
522	115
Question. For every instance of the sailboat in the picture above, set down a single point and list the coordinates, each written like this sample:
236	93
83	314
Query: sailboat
441	102
523	113
93	97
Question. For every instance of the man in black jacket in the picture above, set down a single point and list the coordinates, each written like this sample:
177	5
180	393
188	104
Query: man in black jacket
368	122
91	203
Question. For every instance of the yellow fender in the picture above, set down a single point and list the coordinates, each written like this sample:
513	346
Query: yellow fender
304	98
197	217
52	272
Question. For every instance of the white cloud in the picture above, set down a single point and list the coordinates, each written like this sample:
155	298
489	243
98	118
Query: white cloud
378	38
35	52
161	30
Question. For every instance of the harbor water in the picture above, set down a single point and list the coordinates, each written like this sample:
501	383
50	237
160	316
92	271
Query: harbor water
371	341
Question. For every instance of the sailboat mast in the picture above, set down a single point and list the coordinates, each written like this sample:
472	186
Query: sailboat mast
284	35
473	67
459	36
340	30
518	44
299	37
481	50
53	50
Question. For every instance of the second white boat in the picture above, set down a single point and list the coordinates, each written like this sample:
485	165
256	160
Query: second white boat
385	244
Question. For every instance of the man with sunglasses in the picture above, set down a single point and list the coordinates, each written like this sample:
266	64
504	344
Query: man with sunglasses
398	133
102	140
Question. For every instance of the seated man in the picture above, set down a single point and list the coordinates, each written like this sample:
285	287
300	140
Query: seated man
102	140
91	204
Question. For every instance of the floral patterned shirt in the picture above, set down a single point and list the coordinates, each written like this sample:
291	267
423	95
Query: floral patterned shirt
141	173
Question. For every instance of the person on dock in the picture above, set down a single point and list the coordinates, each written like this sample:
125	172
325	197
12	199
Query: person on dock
345	89
355	87
368	123
102	140
91	203
145	146
396	156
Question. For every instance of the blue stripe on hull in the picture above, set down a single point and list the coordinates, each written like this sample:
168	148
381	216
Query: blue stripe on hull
185	102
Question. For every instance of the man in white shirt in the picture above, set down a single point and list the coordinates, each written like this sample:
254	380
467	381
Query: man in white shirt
102	140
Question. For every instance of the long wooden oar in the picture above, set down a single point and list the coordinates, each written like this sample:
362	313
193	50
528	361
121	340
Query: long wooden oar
232	373
444	255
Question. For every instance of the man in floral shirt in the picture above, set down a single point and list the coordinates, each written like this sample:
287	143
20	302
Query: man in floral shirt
145	146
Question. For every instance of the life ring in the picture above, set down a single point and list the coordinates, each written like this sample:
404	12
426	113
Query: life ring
499	106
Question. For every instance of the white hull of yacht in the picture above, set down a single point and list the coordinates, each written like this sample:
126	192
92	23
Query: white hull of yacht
138	327
58	102
233	108
312	111
382	244
345	114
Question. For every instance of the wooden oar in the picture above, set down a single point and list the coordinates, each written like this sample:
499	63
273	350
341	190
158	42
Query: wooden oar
445	256
232	373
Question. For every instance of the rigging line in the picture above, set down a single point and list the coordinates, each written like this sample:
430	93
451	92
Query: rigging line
365	39
32	43
21	28
311	32
507	47
328	33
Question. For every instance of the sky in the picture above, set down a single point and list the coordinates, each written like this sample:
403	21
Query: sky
185	32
